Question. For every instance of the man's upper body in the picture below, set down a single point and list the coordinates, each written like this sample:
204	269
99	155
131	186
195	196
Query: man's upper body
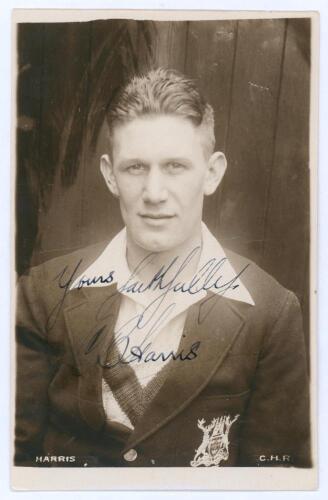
242	358
160	349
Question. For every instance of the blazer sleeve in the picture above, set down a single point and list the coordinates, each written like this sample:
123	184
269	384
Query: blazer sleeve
33	371
276	427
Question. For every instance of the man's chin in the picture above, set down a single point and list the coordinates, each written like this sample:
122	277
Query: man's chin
156	244
157	247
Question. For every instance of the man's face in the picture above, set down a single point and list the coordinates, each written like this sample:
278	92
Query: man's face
160	173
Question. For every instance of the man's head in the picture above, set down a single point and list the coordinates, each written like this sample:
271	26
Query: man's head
161	161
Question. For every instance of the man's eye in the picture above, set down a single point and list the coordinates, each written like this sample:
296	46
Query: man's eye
175	166
136	168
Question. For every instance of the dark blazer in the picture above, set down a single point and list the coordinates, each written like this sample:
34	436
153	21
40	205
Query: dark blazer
250	367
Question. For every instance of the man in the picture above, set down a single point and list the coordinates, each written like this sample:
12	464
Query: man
159	348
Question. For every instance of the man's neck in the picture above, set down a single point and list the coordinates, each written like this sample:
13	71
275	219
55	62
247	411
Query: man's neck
183	260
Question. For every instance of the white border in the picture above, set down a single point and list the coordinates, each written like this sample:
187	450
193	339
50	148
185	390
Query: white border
161	15
4	197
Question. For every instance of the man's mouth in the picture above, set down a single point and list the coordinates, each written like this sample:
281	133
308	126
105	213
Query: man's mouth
156	216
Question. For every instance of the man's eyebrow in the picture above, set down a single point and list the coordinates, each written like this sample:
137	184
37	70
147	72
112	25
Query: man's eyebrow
125	162
177	159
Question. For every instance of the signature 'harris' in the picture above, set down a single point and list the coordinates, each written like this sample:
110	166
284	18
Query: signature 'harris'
159	348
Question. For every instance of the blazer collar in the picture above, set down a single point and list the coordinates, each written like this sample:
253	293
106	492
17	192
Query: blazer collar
113	259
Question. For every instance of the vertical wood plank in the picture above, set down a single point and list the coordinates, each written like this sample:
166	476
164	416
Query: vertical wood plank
286	237
30	57
209	61
255	93
169	44
64	66
145	34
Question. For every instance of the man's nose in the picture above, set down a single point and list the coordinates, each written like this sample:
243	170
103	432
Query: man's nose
154	189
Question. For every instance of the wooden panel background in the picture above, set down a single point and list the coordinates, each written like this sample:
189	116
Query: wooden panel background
255	73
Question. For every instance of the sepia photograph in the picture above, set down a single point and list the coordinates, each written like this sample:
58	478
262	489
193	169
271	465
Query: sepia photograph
164	244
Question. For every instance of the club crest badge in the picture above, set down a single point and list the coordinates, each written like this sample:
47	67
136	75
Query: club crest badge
215	445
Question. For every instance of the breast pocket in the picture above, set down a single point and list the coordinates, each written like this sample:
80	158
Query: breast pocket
209	430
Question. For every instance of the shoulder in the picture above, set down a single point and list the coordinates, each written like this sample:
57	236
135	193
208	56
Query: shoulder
270	296
66	264
48	282
41	291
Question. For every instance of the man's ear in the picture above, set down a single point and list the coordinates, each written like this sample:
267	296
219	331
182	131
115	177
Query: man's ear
106	169
216	168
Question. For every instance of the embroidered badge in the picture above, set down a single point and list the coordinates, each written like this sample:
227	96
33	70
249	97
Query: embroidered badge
215	445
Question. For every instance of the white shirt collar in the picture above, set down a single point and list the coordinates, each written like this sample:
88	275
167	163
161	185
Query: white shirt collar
113	258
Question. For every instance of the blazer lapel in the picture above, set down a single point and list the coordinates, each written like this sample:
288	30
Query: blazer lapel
90	316
214	323
90	319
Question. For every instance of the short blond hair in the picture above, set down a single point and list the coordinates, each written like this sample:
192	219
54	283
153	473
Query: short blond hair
162	91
